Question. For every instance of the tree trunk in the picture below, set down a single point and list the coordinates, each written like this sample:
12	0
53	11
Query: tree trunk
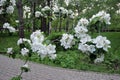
20	16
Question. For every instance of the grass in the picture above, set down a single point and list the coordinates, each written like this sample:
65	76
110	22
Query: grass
73	58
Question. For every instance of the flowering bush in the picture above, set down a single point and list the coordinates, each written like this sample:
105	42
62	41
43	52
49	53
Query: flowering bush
67	41
7	6
9	27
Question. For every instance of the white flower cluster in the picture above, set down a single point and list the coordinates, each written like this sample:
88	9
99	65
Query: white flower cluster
37	45
118	11
87	44
10	50
42	12
81	28
24	51
9	7
102	43
46	8
85	48
9	27
67	41
26	12
99	42
103	17
38	14
99	59
23	40
67	2
61	10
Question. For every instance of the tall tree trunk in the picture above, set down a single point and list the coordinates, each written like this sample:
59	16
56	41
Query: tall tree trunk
33	15
20	16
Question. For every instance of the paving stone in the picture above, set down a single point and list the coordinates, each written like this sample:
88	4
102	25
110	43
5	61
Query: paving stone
10	67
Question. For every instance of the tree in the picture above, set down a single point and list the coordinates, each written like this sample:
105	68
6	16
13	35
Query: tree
20	16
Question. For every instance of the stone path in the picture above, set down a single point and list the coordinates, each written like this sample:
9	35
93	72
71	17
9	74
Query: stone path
10	67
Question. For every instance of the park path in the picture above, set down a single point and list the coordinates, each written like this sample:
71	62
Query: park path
10	67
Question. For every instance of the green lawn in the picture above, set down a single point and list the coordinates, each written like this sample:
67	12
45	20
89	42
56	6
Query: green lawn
73	58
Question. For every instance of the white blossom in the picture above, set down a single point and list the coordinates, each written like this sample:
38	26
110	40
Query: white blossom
100	59
6	25
85	38
2	2
67	41
83	22
22	40
46	8
13	2
10	50
80	31
37	36
38	14
24	51
25	65
102	42
11	29
10	9
103	17
67	2
51	49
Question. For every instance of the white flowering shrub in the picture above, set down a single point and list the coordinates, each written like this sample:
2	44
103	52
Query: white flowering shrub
81	28
67	41
7	6
26	12
9	27
102	17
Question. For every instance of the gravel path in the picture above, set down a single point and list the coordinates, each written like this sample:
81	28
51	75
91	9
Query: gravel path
10	67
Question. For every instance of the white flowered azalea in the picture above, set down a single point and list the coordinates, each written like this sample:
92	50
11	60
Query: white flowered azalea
83	47
10	50
72	15
55	9
118	11
51	49
13	2
85	38
83	22
1	11
22	40
80	31
53	56
37	36
25	65
42	51
2	2
6	25
36	46
102	42
38	14
10	9
46	8
24	51
67	2
103	17
11	29
99	59
17	21
26	9
91	48
67	41
63	10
